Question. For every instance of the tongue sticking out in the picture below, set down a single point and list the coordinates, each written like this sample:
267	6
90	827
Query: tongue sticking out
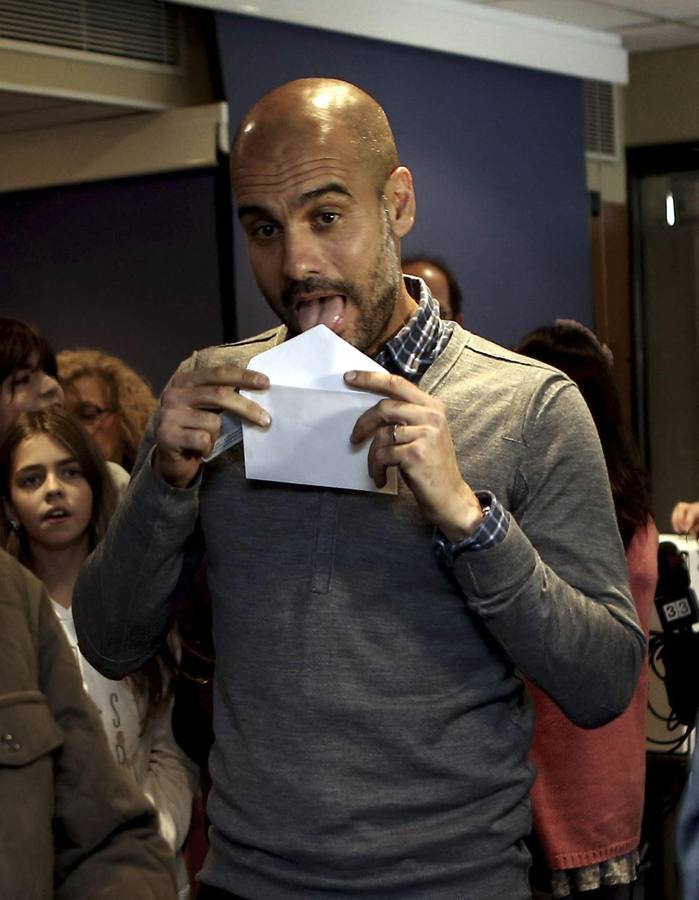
324	311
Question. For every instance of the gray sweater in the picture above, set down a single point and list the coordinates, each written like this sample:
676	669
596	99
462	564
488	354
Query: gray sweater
371	730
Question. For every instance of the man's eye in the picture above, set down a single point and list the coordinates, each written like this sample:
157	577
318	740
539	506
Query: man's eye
265	231
328	218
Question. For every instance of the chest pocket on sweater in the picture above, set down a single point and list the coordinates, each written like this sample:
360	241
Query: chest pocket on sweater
28	731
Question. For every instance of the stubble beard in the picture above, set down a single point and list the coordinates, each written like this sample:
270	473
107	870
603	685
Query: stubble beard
375	303
381	296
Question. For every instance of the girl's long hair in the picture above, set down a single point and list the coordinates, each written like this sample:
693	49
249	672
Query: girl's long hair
150	681
578	353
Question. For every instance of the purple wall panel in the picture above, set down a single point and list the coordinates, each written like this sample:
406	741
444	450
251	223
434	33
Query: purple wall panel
127	266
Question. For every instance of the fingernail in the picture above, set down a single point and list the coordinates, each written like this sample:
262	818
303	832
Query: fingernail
350	376
265	419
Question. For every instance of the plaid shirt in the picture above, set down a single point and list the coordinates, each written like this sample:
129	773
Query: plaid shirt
492	529
418	344
410	353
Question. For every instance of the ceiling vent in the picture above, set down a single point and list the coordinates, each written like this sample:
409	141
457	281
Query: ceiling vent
600	121
126	31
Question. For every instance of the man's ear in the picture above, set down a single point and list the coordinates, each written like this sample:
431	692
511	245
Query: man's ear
400	200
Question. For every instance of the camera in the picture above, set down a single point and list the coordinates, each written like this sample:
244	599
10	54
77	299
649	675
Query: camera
675	600
678	647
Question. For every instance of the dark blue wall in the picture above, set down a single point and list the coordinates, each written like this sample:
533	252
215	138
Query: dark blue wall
129	266
497	153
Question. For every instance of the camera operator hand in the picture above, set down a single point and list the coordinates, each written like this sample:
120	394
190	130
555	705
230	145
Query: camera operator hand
685	518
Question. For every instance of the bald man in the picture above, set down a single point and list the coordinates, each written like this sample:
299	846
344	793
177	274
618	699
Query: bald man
371	727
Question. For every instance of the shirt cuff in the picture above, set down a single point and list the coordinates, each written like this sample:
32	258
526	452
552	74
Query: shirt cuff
490	532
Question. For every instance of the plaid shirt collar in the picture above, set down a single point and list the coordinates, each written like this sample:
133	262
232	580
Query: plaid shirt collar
417	345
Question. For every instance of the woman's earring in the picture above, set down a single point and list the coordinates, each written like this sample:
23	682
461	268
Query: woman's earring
14	524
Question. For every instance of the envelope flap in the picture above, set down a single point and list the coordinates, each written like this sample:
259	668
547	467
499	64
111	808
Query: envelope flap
318	358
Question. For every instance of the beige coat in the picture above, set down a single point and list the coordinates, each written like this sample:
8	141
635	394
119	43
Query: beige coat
72	825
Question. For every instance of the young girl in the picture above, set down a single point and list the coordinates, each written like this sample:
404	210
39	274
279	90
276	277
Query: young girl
57	500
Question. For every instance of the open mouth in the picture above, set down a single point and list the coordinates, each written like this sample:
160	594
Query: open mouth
56	514
320	309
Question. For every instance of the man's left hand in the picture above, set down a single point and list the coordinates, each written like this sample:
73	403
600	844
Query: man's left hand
409	429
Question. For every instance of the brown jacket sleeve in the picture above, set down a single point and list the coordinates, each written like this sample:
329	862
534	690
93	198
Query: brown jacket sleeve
77	819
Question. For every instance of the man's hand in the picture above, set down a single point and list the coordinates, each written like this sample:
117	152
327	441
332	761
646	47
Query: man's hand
188	421
685	518
410	430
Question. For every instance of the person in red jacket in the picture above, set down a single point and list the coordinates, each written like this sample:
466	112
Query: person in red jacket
587	801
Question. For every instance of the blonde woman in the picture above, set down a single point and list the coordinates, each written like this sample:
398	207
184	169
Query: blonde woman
110	399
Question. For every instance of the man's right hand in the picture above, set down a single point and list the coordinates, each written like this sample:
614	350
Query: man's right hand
188	420
685	518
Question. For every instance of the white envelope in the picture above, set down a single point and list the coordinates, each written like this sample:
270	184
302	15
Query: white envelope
313	413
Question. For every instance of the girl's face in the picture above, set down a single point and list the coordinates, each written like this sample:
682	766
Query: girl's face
27	389
49	495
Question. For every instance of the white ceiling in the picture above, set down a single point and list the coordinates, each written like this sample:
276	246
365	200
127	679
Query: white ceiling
642	24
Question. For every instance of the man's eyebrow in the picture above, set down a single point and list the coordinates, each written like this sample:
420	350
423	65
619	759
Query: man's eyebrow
252	210
332	187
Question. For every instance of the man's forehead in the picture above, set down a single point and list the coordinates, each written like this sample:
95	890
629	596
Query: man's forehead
280	141
295	176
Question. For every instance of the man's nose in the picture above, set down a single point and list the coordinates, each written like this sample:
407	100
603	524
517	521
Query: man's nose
301	255
50	391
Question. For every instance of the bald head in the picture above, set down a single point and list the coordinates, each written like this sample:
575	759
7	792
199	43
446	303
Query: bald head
324	204
316	111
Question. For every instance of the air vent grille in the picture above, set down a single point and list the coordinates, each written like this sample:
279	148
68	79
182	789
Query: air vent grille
600	128
145	30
